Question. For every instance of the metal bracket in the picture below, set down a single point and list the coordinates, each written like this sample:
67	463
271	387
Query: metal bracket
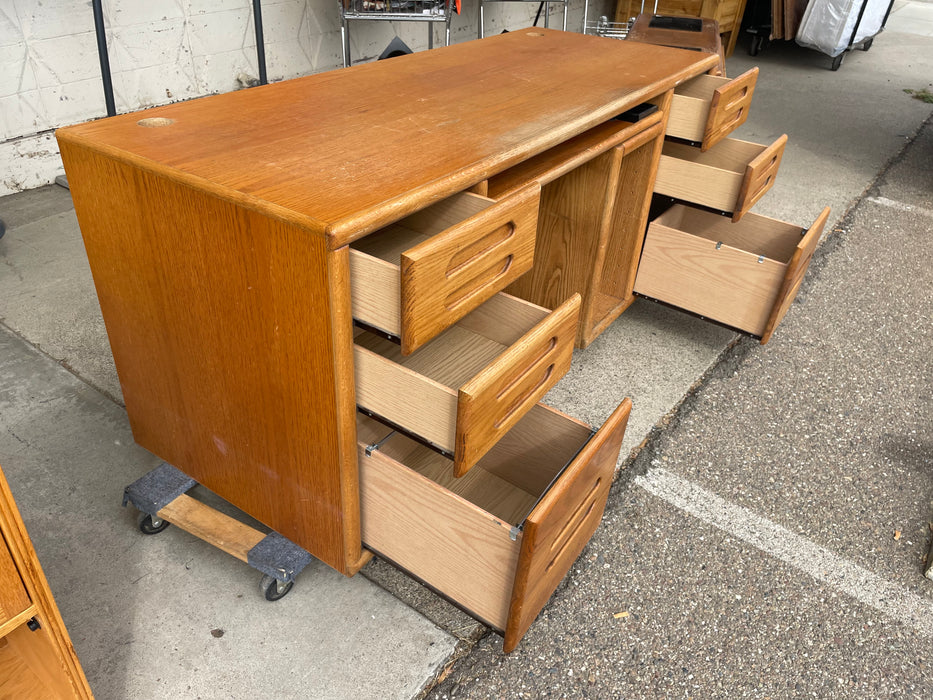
718	245
761	258
376	445
513	532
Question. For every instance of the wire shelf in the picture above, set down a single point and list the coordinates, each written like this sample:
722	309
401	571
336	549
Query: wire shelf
603	27
406	9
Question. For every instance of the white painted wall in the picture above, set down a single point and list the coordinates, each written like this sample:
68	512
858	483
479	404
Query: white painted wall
164	51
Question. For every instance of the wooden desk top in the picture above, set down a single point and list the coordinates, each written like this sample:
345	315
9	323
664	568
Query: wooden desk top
344	152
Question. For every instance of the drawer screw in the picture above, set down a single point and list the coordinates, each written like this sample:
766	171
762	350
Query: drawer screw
376	445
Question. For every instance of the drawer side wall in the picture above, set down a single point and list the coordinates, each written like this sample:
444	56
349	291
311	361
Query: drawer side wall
726	285
453	546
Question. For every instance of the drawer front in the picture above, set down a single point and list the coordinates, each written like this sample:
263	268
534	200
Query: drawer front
759	177
709	108
446	277
13	597
743	274
427	393
793	276
730	177
562	523
495	399
417	277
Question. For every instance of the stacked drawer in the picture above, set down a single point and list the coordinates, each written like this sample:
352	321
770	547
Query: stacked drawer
722	262
466	480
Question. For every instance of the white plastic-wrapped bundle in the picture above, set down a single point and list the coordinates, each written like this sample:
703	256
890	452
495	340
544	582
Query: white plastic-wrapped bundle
827	24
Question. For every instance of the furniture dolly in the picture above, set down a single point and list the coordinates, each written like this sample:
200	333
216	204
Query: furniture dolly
161	496
337	301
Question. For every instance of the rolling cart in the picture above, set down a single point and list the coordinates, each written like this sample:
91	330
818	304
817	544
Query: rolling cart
430	12
836	27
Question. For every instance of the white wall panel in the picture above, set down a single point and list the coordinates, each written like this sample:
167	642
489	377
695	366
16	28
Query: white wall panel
163	51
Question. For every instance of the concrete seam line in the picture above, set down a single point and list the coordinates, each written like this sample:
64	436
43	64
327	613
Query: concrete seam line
891	600
901	206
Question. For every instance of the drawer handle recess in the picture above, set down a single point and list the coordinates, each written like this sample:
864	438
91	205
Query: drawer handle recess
568	533
483	246
477	284
519	402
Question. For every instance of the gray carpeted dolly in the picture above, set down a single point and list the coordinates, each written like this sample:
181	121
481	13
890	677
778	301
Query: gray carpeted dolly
161	496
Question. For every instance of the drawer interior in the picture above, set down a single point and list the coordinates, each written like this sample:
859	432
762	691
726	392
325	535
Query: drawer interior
466	388
416	277
759	235
730	155
389	243
462	536
451	359
730	272
690	106
511	478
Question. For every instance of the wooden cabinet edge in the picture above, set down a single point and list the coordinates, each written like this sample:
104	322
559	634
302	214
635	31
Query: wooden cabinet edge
24	555
338	273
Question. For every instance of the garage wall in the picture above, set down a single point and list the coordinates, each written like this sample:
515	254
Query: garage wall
164	51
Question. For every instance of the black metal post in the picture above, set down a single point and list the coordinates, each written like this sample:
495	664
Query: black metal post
260	43
104	57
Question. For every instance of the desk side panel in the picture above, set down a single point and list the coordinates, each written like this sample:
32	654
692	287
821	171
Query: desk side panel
223	330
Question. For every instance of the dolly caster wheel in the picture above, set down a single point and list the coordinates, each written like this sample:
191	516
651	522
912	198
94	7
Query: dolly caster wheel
149	525
274	589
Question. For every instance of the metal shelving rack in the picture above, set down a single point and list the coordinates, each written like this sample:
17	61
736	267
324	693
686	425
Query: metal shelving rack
603	26
429	11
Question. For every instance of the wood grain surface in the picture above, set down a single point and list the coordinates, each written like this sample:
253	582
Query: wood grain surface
351	150
234	361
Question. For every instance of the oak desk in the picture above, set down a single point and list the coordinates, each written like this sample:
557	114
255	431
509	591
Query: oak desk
219	234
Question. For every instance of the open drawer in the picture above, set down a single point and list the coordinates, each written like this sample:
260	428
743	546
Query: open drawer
743	274
418	276
498	541
465	389
708	108
729	177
